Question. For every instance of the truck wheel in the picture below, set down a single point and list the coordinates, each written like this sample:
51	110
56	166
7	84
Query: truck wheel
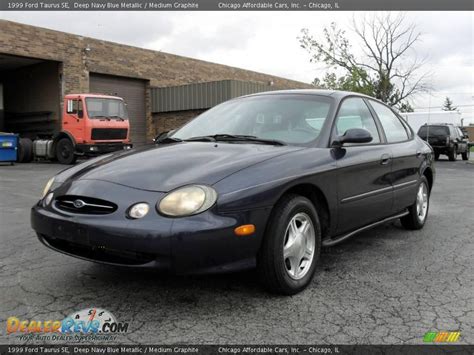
466	154
65	151
452	155
25	151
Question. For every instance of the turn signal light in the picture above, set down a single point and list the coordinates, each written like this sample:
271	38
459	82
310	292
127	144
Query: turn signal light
245	229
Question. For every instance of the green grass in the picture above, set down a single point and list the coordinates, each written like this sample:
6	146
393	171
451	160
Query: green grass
472	149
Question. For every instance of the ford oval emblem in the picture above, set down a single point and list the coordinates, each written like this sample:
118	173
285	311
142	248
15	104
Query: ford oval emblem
79	203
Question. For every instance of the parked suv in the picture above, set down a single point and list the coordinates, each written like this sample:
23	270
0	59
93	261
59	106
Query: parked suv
445	139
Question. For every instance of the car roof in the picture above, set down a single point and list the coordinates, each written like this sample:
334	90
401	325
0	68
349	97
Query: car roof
339	94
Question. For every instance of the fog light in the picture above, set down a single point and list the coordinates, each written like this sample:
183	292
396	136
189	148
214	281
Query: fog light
47	200
138	210
93	149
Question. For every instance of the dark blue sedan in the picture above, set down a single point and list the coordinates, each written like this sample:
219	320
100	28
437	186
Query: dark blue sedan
260	181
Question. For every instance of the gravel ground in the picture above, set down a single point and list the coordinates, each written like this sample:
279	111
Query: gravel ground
385	286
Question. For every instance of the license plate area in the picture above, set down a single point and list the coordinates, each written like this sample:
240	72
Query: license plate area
71	232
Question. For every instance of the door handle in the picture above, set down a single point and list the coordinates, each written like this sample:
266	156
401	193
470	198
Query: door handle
385	159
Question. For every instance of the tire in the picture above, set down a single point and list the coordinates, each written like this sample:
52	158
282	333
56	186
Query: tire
452	155
466	154
279	274
25	151
65	151
436	156
414	220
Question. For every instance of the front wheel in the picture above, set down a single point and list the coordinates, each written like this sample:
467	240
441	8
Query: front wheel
291	246
65	151
418	212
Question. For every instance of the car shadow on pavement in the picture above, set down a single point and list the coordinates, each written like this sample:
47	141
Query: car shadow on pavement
189	287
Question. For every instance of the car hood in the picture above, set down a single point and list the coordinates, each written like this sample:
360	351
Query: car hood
166	167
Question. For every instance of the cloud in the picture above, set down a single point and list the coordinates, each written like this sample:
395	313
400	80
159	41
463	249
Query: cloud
267	41
133	28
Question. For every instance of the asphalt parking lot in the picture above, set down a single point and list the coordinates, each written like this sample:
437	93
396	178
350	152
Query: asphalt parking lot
385	286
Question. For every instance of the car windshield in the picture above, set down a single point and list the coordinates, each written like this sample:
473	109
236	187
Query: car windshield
291	119
108	108
433	131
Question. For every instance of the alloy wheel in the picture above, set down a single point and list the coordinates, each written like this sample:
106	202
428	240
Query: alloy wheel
422	202
299	246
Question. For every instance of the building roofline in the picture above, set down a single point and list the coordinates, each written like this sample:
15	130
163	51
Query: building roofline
152	51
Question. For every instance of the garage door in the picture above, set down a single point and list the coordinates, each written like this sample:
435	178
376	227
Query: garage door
133	91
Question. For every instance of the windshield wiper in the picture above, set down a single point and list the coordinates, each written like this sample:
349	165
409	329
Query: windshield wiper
167	140
115	116
235	138
101	116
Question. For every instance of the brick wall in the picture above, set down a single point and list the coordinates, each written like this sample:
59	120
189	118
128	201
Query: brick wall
160	69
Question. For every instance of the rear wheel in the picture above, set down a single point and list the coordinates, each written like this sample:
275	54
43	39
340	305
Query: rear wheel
466	154
418	212
65	151
291	246
25	151
453	153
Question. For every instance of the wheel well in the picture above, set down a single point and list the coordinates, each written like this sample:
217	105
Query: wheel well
428	173
316	196
60	136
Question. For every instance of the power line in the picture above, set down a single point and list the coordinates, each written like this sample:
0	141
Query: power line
465	105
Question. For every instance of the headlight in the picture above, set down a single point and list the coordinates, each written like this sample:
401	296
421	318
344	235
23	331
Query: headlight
47	187
47	200
187	201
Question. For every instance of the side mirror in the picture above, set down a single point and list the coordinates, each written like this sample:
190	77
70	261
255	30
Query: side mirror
160	136
163	135
80	109
353	135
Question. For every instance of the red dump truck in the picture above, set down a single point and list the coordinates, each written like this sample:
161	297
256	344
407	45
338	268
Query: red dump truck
90	125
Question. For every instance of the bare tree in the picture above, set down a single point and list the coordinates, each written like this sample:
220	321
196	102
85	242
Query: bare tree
388	66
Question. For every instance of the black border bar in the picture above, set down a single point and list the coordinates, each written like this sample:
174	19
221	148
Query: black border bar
239	349
236	5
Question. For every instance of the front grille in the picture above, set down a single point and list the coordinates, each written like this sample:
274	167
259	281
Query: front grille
108	133
84	205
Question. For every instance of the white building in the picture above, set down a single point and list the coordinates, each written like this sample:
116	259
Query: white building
418	119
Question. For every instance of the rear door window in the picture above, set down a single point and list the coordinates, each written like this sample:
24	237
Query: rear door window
394	129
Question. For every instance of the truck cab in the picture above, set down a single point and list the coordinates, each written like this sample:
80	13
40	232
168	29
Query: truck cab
91	124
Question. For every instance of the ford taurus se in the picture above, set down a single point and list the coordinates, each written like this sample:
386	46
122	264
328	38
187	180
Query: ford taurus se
263	181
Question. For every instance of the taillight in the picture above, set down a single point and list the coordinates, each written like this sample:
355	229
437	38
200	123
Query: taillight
447	140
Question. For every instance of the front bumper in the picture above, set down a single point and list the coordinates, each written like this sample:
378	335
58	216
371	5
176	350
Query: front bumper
100	148
197	244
